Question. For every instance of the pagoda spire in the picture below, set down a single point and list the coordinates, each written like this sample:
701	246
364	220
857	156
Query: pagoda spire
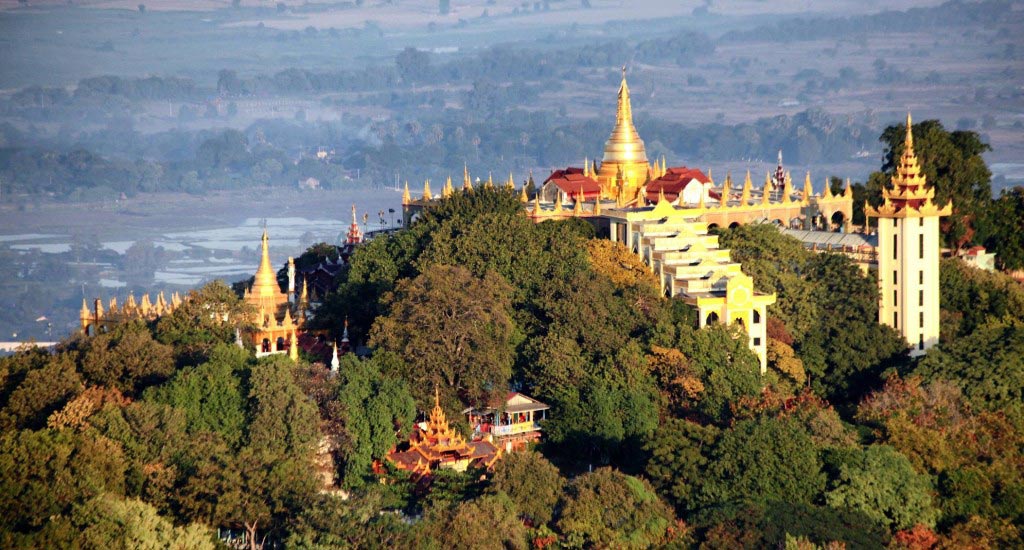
426	190
808	189
406	197
827	193
335	363
745	194
467	184
265	284
511	184
536	205
293	349
586	167
787	189
597	205
523	198
766	191
446	191
848	192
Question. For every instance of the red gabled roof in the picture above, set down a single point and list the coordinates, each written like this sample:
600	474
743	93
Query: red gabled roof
673	182
571	180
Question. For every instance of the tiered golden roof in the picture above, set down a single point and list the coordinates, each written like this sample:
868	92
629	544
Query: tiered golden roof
625	158
910	195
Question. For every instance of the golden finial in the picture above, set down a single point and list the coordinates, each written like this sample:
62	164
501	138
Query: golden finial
664	167
597	205
490	182
827	192
558	202
909	142
745	194
787	188
808	190
523	198
511	181
766	191
426	190
586	167
536	203
446	191
466	182
701	202
287	321
577	208
406	198
726	188
711	178
293	350
661	194
848	192
84	313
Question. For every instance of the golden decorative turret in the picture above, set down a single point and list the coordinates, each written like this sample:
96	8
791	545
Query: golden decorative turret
726	190
624	151
523	198
808	190
490	182
787	189
536	204
597	206
511	183
406	197
766	191
848	192
745	194
467	184
426	191
586	167
577	208
447	190
293	349
558	202
827	193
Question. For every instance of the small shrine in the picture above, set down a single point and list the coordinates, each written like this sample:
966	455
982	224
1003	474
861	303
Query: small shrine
434	444
512	426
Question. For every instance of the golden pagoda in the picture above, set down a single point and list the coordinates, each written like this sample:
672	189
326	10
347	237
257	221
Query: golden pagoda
624	164
273	329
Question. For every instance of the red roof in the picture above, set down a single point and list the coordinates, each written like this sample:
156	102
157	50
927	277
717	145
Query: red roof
673	182
571	180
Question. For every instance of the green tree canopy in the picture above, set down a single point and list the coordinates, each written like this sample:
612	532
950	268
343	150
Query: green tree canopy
453	331
608	509
533	484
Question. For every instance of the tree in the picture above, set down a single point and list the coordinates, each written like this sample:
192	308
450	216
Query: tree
764	460
881	483
41	392
987	365
413	64
1005	224
608	509
211	394
126	358
532	483
972	298
463	527
453	331
375	408
44	473
206	317
109	522
679	452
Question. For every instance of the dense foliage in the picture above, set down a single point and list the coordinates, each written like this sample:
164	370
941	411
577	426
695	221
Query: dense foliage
659	434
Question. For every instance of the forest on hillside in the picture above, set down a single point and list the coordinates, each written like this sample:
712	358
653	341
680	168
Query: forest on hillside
659	434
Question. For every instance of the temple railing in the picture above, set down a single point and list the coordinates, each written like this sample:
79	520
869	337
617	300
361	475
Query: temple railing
513	429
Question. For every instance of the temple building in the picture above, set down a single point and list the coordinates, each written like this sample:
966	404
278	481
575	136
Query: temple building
908	252
513	426
274	328
434	444
97	319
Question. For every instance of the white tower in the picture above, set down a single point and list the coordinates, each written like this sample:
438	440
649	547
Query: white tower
908	253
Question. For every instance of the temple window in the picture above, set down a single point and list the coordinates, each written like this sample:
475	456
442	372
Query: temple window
757	317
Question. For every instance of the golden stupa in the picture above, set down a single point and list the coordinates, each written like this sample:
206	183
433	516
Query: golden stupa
624	167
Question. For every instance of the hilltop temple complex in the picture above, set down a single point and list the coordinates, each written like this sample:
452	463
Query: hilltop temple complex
665	215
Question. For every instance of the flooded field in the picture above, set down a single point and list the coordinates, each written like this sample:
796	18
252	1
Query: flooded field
161	242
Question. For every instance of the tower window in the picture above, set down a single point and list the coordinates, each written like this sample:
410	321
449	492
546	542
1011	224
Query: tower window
920	277
921	221
895	278
920	298
757	341
895	246
921	315
757	317
920	246
920	342
895	320
894	224
895	297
